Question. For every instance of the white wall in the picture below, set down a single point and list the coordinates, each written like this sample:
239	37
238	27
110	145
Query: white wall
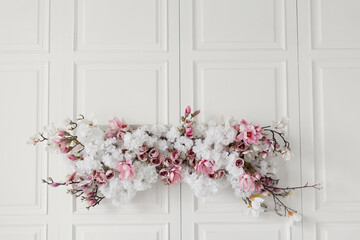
145	60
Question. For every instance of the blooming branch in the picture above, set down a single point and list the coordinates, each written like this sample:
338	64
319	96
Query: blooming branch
119	161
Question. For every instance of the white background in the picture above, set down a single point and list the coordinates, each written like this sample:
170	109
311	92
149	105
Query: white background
145	61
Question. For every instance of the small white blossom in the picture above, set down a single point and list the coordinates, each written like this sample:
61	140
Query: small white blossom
294	217
280	125
33	140
286	153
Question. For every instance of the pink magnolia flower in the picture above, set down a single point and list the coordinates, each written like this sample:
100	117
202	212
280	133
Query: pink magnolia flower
153	153
188	110
205	167
175	155
63	145
189	132
99	176
126	170
249	133
175	175
247	183
117	125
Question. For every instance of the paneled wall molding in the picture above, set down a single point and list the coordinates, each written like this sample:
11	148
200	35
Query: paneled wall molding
34	78
142	26
25	26
329	70
144	61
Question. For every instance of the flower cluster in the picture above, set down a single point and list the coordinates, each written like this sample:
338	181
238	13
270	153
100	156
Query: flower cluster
118	162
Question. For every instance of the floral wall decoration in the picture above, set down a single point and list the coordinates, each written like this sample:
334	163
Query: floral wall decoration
117	162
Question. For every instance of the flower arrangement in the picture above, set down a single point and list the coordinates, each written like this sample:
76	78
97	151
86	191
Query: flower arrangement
116	162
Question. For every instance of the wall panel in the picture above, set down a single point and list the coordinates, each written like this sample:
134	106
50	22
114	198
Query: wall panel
23	95
329	59
239	58
24	26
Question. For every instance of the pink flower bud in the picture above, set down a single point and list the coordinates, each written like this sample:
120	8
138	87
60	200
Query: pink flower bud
157	161
219	173
196	113
142	149
109	174
110	135
212	175
92	201
90	194
188	123
239	162
153	153
142	157
192	161
265	193
72	157
189	132
163	173
190	153
61	133
178	161
168	162
264	154
71	177
175	155
54	184
120	135
242	147
188	110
